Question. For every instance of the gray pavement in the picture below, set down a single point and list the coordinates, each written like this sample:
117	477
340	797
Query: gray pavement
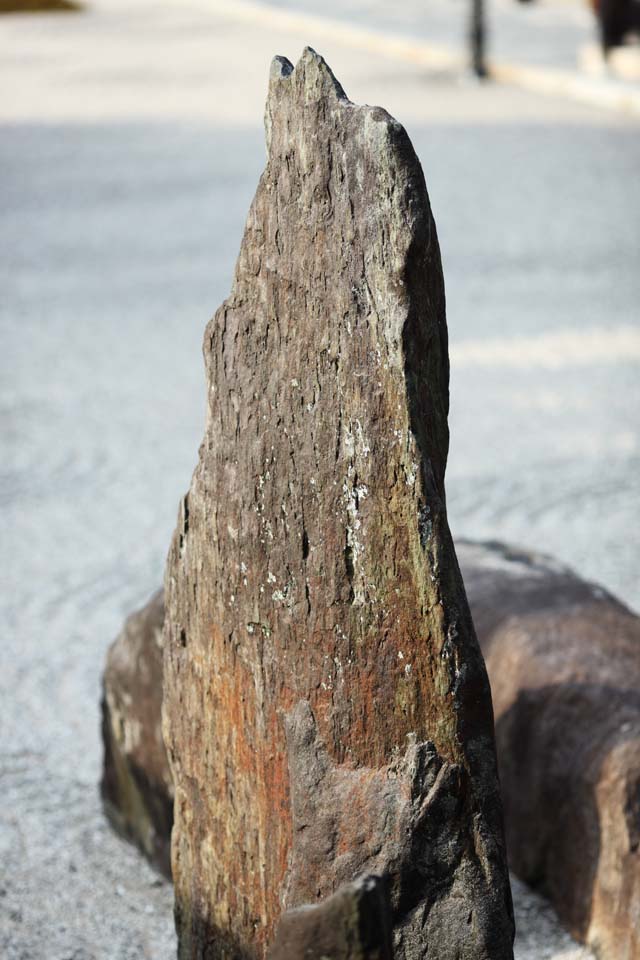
547	46
130	145
542	32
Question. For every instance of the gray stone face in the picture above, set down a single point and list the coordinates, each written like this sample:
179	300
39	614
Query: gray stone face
326	707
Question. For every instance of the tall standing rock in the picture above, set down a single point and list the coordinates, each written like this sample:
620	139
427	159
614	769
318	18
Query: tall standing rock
326	708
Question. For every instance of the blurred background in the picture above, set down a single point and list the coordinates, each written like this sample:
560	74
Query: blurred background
130	146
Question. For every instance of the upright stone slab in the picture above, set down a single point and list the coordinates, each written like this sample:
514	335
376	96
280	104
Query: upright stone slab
326	708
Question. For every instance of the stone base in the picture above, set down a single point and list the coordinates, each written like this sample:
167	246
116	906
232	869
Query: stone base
564	662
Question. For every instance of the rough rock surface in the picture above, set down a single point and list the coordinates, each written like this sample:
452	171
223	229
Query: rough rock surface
137	788
312	585
573	826
564	661
353	924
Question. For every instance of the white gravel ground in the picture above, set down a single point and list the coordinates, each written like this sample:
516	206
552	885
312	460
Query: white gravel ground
129	148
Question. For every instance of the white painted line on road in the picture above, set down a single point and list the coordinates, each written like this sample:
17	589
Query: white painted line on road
559	350
592	91
599	92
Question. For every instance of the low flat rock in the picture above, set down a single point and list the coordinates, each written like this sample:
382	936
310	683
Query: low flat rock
137	789
564	662
327	712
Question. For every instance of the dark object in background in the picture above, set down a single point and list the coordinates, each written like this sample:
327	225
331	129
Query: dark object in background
477	35
35	6
564	662
616	20
354	924
137	789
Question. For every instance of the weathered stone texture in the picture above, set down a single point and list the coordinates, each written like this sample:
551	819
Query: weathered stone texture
564	661
137	788
353	924
326	707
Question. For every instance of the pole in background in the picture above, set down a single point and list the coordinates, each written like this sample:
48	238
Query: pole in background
478	38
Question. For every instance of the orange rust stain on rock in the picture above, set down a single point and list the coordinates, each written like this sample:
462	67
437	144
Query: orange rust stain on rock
251	774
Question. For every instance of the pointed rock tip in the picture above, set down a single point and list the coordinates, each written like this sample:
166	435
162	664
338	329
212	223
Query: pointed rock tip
313	73
309	55
310	81
318	75
280	68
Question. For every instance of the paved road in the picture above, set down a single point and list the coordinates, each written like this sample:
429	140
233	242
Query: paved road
130	145
544	32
